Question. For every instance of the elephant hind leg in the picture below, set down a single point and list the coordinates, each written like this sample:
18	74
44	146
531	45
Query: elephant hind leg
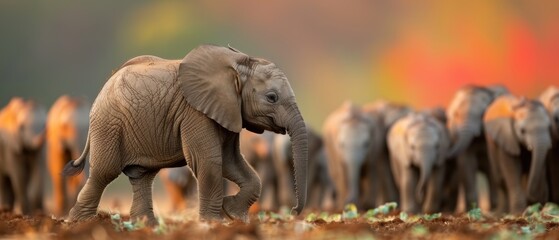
104	168
142	204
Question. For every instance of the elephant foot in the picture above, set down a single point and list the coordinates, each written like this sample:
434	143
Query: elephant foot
81	214
235	210
149	219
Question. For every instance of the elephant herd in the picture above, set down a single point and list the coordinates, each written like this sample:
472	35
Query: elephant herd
28	135
183	120
384	151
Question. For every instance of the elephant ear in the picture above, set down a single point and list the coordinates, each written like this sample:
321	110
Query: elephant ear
498	123
210	83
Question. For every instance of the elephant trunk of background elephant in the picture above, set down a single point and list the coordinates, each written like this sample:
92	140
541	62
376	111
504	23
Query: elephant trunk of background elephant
426	161
539	147
298	133
354	177
463	136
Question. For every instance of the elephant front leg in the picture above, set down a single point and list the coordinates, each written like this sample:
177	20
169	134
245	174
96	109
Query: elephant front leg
511	172
467	162
409	179
237	170
142	204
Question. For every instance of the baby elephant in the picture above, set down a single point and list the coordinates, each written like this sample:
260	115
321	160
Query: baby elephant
156	113
418	145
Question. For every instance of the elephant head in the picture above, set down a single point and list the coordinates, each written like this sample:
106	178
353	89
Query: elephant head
424	145
238	91
512	123
465	113
550	99
24	121
353	137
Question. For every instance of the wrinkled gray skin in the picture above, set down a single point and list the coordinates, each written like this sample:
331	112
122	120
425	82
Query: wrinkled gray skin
321	189
155	113
353	139
67	124
518	140
550	99
465	124
385	182
418	145
22	125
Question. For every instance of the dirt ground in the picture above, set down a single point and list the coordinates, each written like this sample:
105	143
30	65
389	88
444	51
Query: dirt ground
268	225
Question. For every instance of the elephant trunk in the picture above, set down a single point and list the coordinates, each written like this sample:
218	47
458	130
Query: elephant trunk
299	142
463	136
426	162
539	148
354	171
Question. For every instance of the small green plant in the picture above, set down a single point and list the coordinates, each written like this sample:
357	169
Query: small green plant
350	212
311	217
161	228
475	214
382	209
430	217
419	230
403	216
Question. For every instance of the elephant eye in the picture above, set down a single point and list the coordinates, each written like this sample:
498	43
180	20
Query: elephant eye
271	97
522	131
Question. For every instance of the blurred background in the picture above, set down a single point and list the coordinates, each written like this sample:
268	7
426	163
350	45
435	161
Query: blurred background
415	52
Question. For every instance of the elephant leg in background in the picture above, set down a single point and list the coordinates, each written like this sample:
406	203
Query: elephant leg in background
175	193
511	171
239	171
35	187
142	204
451	188
492	187
496	178
19	180
7	198
269	196
370	189
468	165
340	186
432	202
55	166
552	170
387	181
409	178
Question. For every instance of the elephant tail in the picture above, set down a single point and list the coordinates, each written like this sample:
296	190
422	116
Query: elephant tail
75	167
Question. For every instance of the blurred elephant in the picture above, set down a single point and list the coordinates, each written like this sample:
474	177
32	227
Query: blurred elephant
319	184
181	186
389	113
22	127
465	124
353	140
550	100
451	190
418	146
155	113
518	140
67	124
